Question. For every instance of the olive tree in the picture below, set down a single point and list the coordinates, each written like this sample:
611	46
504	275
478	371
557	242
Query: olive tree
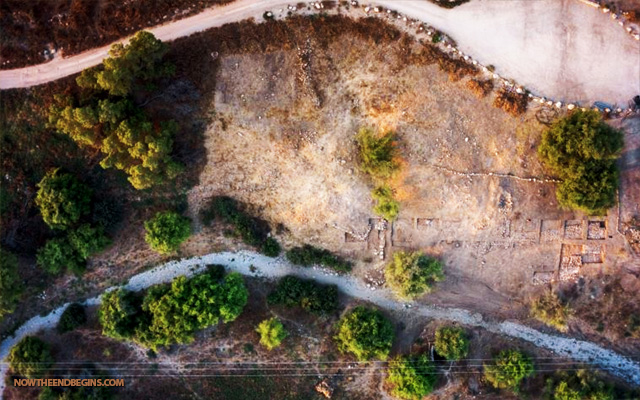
365	333
271	332
452	342
508	369
31	357
166	231
412	274
411	377
62	199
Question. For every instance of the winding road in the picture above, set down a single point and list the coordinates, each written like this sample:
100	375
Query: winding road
257	265
562	49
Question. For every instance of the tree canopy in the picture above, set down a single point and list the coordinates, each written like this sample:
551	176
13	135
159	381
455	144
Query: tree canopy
72	251
583	150
10	285
508	369
31	357
550	310
452	342
411	377
365	333
307	294
140	60
271	332
411	274
166	231
72	317
578	386
62	199
377	153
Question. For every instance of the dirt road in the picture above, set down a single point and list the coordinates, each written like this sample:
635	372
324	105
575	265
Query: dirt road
561	49
257	265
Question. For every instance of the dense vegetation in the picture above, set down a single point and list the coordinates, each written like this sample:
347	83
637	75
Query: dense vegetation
452	342
550	310
578	386
166	231
412	274
583	150
411	377
386	206
72	317
31	357
377	153
70	252
365	333
271	332
307	294
10	284
309	255
62	199
252	230
107	119
169	314
508	369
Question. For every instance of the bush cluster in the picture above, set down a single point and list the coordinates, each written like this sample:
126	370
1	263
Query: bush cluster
511	102
550	310
72	317
452	342
377	153
166	231
71	252
169	314
253	231
271	332
10	285
579	385
62	199
411	377
365	333
307	294
583	151
31	357
309	255
387	207
481	88
508	369
412	274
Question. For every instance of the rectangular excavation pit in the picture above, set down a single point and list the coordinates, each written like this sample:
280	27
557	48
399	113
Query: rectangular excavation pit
401	232
574	229
592	254
551	230
597	230
525	229
570	262
542	277
424	224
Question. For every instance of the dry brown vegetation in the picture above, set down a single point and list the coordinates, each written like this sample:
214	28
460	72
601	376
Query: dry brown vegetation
479	87
511	102
30	27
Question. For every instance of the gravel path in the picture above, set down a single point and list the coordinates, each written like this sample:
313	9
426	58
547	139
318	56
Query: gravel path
561	49
244	262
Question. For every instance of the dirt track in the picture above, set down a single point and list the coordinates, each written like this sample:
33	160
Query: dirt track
253	264
560	49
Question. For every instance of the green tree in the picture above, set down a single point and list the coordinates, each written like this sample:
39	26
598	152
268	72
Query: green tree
140	60
365	333
271	247
411	274
86	241
550	310
387	207
411	377
31	357
58	255
119	314
311	296
166	231
62	199
452	342
377	153
508	369
583	150
271	332
580	385
10	285
72	317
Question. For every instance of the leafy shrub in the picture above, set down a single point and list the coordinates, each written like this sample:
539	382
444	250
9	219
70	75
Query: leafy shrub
412	274
57	255
172	313
72	317
87	241
10	285
365	333
119	314
511	102
387	207
508	369
166	231
481	88
550	310
307	294
452	342
271	248
308	255
377	153
412	378
62	199
31	357
583	151
271	332
578	386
